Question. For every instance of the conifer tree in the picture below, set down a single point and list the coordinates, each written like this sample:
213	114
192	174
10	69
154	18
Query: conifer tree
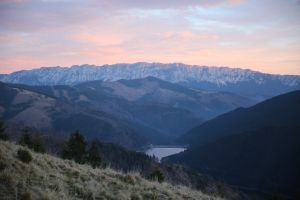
25	139
93	155
33	142
3	135
75	148
38	145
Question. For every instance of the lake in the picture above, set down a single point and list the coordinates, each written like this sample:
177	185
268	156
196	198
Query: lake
163	151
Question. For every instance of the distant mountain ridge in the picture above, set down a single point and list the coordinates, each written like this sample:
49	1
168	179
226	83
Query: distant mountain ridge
241	81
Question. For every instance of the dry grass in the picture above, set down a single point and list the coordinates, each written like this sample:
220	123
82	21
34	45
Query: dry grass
48	177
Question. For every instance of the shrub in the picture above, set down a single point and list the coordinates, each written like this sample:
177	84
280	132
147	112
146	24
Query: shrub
128	179
276	197
7	180
31	141
3	135
135	197
24	156
157	175
2	165
26	196
221	190
25	139
93	155
38	145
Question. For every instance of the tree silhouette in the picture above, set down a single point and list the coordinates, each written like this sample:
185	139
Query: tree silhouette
93	155
25	139
75	148
3	135
33	142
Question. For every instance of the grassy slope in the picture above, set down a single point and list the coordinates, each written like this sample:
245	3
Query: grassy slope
48	177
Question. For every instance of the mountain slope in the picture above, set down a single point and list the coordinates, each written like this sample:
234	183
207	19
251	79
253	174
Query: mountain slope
283	110
244	82
47	177
122	159
131	113
152	92
263	161
23	107
255	149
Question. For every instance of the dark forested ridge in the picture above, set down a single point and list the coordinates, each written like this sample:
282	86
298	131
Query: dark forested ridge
256	149
263	161
283	110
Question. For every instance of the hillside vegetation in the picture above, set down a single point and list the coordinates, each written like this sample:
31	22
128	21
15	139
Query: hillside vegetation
48	177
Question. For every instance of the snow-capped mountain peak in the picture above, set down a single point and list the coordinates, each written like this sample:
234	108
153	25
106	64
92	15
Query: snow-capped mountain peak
204	77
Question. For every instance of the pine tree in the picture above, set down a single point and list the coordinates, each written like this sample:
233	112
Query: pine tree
25	139
3	135
93	155
37	143
33	142
75	148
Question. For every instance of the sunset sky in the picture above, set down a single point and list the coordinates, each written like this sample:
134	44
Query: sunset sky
261	35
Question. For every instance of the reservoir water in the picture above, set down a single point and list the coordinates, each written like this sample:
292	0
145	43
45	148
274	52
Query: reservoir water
163	151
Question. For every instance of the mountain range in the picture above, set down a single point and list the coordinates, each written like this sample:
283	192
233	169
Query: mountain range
132	113
232	132
244	82
255	149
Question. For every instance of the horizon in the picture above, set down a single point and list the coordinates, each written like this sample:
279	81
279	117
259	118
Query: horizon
189	65
257	35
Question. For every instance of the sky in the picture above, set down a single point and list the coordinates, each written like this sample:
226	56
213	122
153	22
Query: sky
261	35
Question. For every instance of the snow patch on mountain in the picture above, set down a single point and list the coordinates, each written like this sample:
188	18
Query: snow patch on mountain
175	72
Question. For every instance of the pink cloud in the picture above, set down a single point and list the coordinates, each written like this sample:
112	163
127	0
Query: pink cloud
11	64
11	39
256	35
99	38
